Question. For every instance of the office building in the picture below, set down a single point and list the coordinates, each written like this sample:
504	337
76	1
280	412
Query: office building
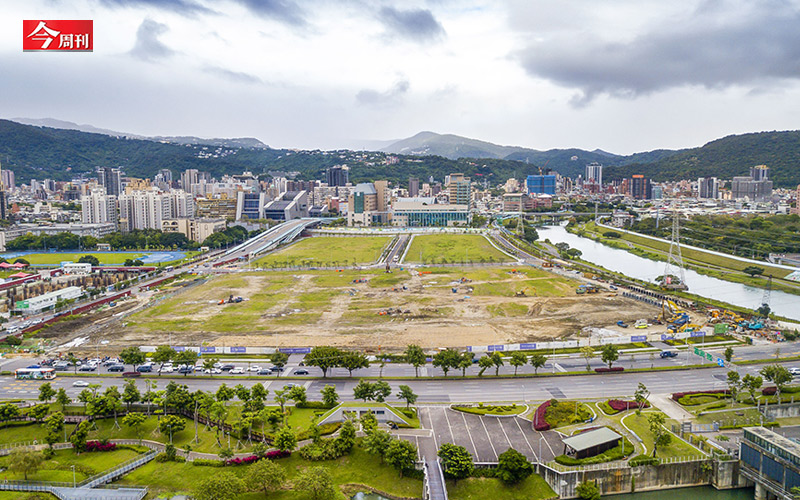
292	205
413	186
215	208
640	187
459	190
194	229
338	175
594	174
708	187
362	204
541	184
48	300
427	213
98	207
110	179
250	205
7	179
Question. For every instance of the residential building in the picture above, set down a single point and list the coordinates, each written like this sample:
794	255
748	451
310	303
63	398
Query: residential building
99	208
755	187
428	214
250	205
292	205
541	184
110	179
708	187
362	204
512	202
459	189
182	204
338	175
214	208
797	201
189	177
640	186
194	229
594	174
135	184
413	186
7	179
143	210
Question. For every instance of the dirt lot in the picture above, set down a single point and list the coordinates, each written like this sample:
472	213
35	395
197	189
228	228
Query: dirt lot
388	310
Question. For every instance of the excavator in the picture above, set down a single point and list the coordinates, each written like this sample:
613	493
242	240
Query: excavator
522	293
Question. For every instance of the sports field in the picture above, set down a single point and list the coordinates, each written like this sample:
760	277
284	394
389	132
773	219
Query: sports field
105	258
453	248
327	251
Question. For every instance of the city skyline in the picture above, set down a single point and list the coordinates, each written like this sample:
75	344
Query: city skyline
340	74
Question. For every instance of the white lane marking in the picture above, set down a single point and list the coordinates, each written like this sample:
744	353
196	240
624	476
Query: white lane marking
488	436
526	438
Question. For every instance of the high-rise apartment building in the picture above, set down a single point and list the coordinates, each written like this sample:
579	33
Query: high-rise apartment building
413	187
143	210
7	179
594	173
541	184
459	190
189	177
641	189
708	187
755	187
338	175
98	208
110	179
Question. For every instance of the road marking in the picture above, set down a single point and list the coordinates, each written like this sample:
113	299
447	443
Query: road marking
489	436
452	436
433	432
526	439
463	416
548	445
500	421
560	368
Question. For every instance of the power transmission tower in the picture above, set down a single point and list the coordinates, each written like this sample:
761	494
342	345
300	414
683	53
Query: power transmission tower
765	299
675	259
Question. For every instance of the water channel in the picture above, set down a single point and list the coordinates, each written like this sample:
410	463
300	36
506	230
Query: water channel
621	261
698	493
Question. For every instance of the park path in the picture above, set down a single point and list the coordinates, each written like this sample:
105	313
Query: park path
672	409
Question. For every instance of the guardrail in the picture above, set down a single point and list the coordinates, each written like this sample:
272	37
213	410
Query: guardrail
117	471
623	464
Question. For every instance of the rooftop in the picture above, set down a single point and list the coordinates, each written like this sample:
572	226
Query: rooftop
590	439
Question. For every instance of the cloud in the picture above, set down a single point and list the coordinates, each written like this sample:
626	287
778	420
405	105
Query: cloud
186	7
285	11
148	47
234	76
371	97
417	25
757	44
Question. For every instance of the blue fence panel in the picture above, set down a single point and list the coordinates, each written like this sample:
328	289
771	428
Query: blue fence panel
526	347
238	350
638	338
497	348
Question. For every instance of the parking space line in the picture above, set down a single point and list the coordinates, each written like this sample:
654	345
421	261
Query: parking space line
433	431
500	421
516	420
547	442
489	436
452	436
474	449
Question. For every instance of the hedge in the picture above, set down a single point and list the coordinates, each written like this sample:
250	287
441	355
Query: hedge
621	405
324	430
678	395
100	446
643	460
612	369
539	422
316	405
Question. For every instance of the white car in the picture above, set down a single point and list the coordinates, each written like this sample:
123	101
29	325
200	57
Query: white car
794	370
237	371
254	368
80	383
166	369
212	371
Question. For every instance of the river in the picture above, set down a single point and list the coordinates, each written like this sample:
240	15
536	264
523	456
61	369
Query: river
621	261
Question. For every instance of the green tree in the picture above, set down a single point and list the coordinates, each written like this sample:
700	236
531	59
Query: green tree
661	437
778	375
132	356
8	411
368	422
25	461
446	359
38	412
317	483
329	396
298	394
353	361
415	356
402	455
537	361
728	354
62	398
609	354
347	437
518	359
218	486
485	362
135	421
752	383
464	362
364	390
170	424
285	439
162	354
641	395
265	475
54	425
497	361
130	394
377	443
588	353
588	490
79	435
407	395
753	270
224	394
258	392
513	467
456	460
46	392
187	357
89	259
279	358
734	383
381	390
324	358
208	365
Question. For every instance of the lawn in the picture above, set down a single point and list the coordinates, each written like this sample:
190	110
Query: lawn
453	248
676	448
22	433
475	488
105	258
357	467
59	468
327	251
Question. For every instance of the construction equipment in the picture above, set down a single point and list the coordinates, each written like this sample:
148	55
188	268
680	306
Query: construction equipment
622	324
670	311
641	323
580	290
521	293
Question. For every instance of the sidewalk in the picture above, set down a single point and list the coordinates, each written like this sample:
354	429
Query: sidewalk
672	409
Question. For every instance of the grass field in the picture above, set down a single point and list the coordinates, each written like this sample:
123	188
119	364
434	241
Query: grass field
105	258
327	251
676	448
453	248
59	468
475	488
358	467
22	433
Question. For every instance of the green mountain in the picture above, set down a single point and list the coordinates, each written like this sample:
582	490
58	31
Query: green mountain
725	158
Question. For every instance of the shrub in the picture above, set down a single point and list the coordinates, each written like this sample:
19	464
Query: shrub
564	413
100	446
619	405
324	449
208	463
317	405
769	391
644	460
714	393
324	430
540	423
272	455
607	369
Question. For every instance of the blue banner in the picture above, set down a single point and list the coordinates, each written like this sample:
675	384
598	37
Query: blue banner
638	338
208	350
699	333
527	347
469	348
497	348
238	350
295	350
667	337
179	349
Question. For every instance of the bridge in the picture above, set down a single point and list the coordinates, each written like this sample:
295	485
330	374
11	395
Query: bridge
271	238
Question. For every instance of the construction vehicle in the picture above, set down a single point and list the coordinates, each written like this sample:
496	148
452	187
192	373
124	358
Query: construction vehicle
641	323
521	293
580	290
231	300
670	311
622	324
547	263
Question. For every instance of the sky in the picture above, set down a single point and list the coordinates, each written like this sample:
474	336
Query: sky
620	75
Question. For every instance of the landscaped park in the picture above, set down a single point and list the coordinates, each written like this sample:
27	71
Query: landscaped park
54	259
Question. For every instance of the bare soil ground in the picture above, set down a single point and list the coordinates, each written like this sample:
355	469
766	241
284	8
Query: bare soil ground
390	310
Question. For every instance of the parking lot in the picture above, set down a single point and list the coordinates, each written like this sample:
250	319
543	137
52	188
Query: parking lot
485	437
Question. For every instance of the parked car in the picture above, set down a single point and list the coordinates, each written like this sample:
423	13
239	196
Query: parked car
794	370
116	368
144	369
300	371
264	371
212	371
166	369
80	383
237	371
254	368
61	366
186	369
87	368
276	368
289	386
668	354
227	367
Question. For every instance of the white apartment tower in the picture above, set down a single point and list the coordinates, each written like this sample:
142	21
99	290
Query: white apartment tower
98	208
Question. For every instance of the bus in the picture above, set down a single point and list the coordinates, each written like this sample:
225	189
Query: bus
35	374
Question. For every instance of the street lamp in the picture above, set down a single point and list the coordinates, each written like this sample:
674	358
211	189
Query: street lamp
73	475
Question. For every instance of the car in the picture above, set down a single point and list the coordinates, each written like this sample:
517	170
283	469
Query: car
264	371
668	354
87	368
186	369
289	386
237	370
794	370
300	371
227	367
276	368
144	369
80	383
212	371
166	369
254	368
116	368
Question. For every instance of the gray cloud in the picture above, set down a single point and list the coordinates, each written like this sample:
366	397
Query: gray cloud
285	11
186	7
417	25
234	76
759	44
148	47
370	97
